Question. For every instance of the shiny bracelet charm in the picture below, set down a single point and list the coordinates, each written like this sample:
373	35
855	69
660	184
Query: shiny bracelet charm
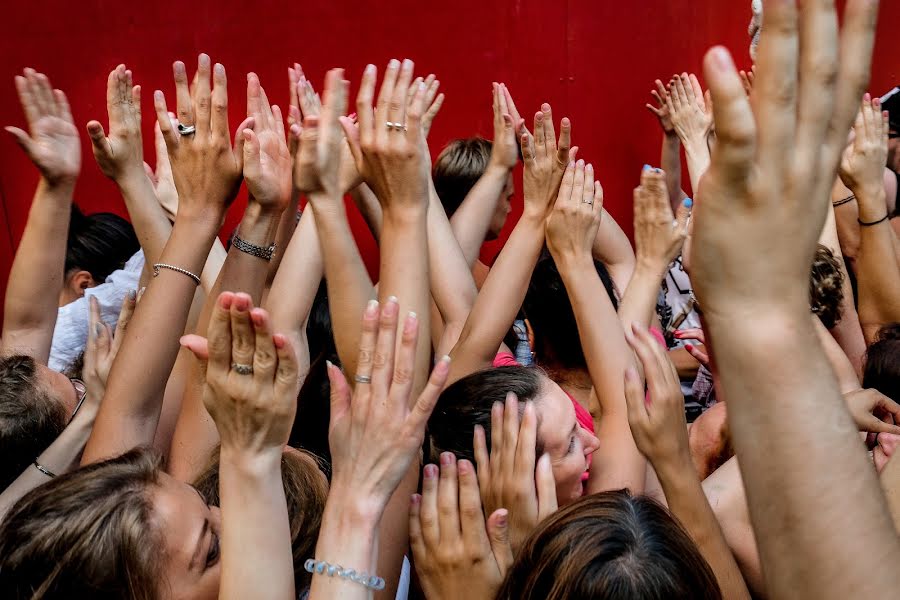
159	266
263	252
321	567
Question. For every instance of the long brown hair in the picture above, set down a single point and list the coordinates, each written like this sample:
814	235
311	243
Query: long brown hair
610	546
305	489
86	534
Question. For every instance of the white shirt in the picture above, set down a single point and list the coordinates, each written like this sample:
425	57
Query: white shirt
70	334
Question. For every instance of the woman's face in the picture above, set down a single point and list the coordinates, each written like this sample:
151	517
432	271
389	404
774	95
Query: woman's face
568	444
190	530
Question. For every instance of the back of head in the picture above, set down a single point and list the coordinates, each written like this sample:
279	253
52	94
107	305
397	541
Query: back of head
85	534
467	403
610	546
826	291
30	418
99	244
549	312
305	490
457	168
882	370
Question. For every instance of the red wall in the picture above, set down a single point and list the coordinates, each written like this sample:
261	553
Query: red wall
595	61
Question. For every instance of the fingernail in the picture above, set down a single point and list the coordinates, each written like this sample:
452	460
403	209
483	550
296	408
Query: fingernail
571	164
465	467
412	315
415	500
392	299
97	329
430	471
132	295
447	458
647	167
204	60
502	516
580	163
688	202
370	69
219	69
657	170
407	64
445	359
688	347
371	308
179	67
158	95
329	364
394	63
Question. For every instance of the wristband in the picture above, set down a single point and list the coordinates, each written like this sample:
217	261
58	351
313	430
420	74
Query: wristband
320	567
844	201
263	252
864	224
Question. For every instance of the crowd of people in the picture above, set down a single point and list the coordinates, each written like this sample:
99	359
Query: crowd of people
711	412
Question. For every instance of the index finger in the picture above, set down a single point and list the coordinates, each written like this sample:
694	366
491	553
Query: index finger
218	120
471	514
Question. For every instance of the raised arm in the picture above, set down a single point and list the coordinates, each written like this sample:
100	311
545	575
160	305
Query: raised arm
207	173
877	268
660	431
37	276
670	155
693	121
757	222
502	293
472	219
120	156
571	228
659	238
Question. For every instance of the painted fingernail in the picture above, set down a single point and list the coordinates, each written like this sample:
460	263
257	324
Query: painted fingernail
329	364
415	500
688	202
132	295
179	67
392	299
430	471
447	458
257	318
158	95
502	516
371	308
647	167
688	347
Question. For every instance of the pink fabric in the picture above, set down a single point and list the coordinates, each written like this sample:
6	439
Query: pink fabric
505	359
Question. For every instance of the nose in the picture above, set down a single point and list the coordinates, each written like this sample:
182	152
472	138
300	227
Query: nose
589	442
889	443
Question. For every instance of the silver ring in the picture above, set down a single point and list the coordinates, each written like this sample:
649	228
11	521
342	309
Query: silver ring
591	202
362	379
242	369
186	129
397	126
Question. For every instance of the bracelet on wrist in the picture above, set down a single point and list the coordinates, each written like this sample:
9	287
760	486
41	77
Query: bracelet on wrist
263	252
844	201
159	266
320	567
43	469
871	223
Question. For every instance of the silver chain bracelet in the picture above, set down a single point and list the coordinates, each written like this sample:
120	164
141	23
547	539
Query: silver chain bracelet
159	266
320	567
263	252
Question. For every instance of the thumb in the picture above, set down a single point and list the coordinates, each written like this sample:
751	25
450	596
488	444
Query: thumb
294	133
351	131
251	151
546	488
681	217
340	392
498	534
21	138
635	401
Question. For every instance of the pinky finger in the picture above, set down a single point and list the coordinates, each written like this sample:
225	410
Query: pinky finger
165	123
428	398
286	373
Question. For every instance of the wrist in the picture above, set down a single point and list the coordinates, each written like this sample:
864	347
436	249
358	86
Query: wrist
650	266
258	224
250	463
671	136
131	177
348	508
872	202
497	169
61	188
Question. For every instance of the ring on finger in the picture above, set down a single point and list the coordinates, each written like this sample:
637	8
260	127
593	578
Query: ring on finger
186	129
362	378
396	126
242	369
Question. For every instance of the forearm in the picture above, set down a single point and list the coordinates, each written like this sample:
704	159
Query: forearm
213	266
840	364
287	224
774	375
472	219
639	302
367	204
877	270
349	286
697	154
257	560
617	463
36	276
687	501
452	285
612	248
670	161
686	365
130	411
150	222
60	457
348	537
499	300
404	274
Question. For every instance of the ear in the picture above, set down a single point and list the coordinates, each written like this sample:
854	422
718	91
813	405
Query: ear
80	281
530	334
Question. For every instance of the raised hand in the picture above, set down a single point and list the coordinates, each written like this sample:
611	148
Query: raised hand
657	420
747	78
52	140
456	557
661	110
267	162
318	165
545	160
375	435
389	145
572	224
873	412
510	476
433	100
658	235
505	149
250	378
863	161
687	109
103	346
697	352
120	154
205	167
162	179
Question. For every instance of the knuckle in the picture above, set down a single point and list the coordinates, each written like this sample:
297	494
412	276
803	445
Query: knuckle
402	375
379	359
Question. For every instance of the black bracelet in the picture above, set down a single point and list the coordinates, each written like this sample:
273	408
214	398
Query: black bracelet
262	252
881	220
849	198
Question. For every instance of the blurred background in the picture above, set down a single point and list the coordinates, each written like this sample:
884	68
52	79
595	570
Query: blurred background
594	60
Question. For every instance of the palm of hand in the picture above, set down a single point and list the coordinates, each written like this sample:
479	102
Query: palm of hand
692	122
271	183
56	149
863	162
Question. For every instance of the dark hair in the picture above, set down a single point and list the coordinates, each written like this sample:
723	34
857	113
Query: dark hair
467	403
99	244
457	168
610	546
826	291
85	534
319	332
30	418
305	491
310	430
882	370
549	312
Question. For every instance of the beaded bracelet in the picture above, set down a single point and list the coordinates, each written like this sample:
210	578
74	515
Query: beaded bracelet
321	567
263	252
159	266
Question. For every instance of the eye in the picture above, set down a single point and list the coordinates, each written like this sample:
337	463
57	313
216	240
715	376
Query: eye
212	557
